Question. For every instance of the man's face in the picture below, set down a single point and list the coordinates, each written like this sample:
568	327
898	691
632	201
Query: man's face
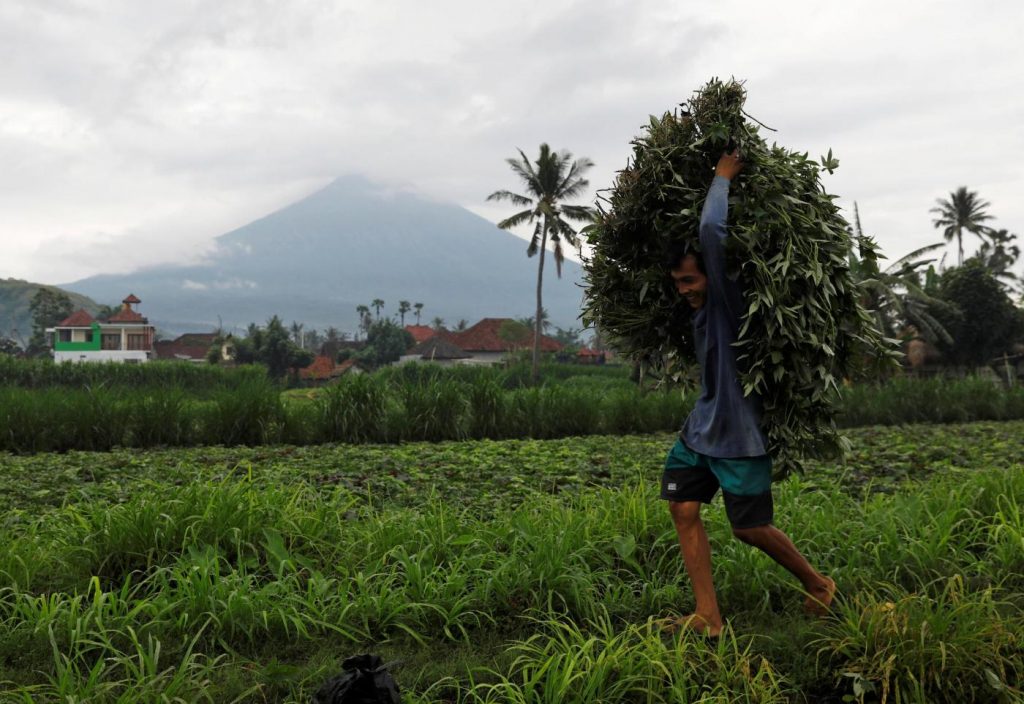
690	282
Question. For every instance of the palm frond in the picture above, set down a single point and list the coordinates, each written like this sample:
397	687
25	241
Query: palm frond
534	240
517	219
513	198
582	213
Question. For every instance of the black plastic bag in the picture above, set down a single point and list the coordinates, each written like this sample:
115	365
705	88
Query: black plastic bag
365	680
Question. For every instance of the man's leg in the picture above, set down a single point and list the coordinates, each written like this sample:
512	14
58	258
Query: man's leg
696	550
747	490
777	545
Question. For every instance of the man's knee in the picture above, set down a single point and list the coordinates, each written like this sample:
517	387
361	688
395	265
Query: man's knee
684	513
750	535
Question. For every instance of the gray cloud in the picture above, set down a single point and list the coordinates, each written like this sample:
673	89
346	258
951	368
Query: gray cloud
133	133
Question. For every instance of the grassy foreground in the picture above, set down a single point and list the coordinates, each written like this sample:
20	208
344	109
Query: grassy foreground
513	571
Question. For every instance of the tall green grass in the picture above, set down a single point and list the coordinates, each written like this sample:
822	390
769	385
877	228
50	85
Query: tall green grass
193	378
421	402
170	592
934	400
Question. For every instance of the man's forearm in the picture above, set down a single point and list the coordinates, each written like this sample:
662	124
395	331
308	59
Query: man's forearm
716	210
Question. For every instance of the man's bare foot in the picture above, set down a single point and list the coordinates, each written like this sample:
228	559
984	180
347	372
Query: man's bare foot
819	598
701	625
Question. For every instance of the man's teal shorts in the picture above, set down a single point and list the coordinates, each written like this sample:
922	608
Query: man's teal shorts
746	483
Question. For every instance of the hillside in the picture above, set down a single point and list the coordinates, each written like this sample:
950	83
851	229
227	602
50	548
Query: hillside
314	261
15	297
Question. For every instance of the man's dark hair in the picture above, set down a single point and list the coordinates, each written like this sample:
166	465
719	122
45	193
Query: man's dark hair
677	250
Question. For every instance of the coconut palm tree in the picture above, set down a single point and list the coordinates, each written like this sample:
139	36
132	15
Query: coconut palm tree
551	179
364	317
999	253
963	211
437	324
296	330
419	310
377	305
403	308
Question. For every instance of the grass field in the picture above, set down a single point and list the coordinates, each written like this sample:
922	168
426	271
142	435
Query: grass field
504	571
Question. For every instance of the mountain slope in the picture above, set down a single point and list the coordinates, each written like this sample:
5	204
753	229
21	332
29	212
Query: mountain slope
314	261
15	298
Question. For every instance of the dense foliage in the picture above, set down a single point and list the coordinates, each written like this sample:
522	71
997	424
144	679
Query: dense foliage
272	346
385	343
49	307
805	329
982	320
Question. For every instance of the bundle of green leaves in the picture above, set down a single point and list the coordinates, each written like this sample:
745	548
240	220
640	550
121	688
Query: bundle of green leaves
805	329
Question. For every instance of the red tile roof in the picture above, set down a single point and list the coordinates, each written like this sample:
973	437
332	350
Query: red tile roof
483	337
197	338
191	345
175	349
78	319
131	299
421	333
126	315
323	367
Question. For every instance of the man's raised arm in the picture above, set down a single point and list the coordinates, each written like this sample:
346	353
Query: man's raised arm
715	215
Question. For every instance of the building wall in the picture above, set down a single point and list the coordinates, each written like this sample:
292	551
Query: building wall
101	356
78	343
485	357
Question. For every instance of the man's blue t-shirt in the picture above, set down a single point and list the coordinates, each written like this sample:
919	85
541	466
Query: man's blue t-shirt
724	423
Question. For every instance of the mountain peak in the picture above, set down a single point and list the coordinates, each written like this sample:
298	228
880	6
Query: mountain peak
315	260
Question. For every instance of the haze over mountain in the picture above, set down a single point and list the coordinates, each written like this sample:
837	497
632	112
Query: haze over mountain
314	261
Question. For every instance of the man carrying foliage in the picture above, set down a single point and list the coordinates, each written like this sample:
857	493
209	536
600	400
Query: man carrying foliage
721	444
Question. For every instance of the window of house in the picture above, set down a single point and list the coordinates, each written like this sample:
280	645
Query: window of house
110	341
65	335
88	335
136	342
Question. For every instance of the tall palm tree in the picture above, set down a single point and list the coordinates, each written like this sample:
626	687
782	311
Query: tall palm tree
419	310
377	305
403	308
437	324
999	253
364	314
552	178
963	211
296	330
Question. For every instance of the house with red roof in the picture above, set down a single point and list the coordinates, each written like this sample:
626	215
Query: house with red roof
439	350
492	339
192	347
126	336
420	333
324	370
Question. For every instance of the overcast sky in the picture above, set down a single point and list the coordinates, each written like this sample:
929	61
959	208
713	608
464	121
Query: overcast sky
134	132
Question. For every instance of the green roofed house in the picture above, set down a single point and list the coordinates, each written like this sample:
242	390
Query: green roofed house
126	336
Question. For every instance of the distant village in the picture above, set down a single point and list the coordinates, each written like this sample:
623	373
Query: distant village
128	337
